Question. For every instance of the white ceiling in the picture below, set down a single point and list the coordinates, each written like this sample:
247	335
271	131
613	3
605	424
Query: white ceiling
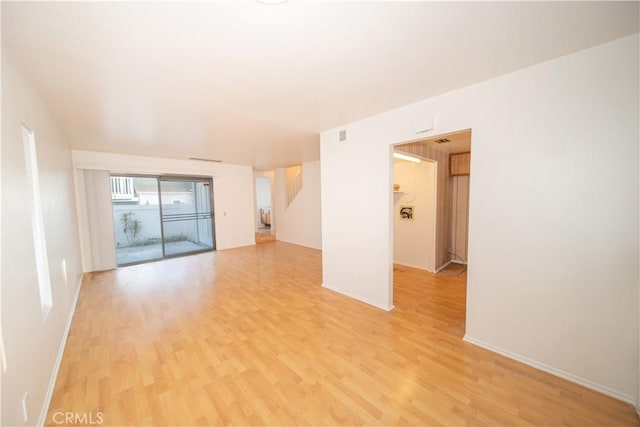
253	84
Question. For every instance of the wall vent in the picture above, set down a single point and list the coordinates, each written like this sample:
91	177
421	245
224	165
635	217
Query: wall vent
442	140
343	135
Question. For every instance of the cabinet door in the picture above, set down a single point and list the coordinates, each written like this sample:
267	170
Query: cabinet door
460	163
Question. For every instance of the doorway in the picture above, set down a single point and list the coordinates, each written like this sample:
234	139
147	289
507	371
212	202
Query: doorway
263	204
158	217
414	216
451	154
264	209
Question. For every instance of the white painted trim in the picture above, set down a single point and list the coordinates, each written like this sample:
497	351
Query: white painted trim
242	245
56	366
297	243
451	261
359	298
414	266
550	369
439	269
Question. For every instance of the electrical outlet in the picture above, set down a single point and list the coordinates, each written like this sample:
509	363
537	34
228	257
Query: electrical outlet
25	406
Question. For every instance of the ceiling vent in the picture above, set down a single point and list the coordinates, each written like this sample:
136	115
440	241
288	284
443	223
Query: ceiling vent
342	135
442	140
205	160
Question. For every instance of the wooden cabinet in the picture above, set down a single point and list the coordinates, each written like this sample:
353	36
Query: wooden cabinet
459	163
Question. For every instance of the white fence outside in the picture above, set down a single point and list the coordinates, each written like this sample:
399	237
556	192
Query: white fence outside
199	231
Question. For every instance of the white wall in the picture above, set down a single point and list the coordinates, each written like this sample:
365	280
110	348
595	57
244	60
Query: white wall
232	190
553	221
414	242
300	222
32	344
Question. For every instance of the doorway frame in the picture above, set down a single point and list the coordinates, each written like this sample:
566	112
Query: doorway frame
434	225
256	209
391	149
274	201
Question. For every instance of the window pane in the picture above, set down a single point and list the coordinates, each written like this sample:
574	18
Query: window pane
37	221
186	216
136	219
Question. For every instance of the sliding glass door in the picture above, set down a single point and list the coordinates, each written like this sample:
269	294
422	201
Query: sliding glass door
186	215
155	217
136	219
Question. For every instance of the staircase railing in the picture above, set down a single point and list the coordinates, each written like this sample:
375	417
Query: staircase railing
294	183
122	188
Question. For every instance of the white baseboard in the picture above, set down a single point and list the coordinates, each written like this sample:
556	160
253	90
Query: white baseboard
550	369
56	366
451	261
413	266
359	298
442	267
297	243
224	248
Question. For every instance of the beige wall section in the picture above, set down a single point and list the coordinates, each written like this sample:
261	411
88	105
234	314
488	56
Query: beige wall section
291	173
32	344
414	240
460	219
300	222
444	194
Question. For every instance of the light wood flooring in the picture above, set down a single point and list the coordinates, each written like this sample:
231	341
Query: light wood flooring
265	235
248	337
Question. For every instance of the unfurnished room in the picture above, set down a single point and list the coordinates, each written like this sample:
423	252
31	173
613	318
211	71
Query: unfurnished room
331	213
